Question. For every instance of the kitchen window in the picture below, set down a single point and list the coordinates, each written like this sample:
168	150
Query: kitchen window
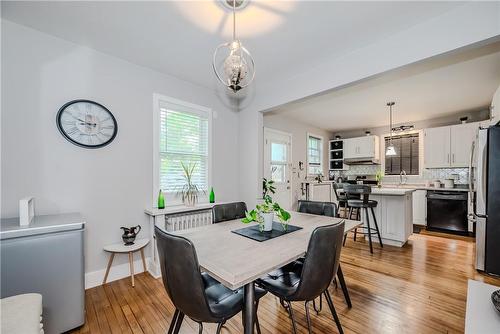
183	136
314	155
407	158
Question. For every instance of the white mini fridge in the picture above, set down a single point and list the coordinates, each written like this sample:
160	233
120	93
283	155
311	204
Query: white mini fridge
46	257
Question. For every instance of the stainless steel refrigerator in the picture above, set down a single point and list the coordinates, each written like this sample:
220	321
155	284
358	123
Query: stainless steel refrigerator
487	200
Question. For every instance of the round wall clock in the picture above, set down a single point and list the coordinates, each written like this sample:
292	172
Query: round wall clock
86	124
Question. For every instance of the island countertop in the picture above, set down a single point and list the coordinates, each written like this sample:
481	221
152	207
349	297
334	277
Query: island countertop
388	191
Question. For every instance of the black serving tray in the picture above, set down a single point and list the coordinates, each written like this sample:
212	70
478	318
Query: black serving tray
253	232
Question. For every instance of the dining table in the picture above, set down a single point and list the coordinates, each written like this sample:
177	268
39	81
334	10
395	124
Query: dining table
237	261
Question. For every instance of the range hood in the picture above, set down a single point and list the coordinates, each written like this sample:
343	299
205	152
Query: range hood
362	161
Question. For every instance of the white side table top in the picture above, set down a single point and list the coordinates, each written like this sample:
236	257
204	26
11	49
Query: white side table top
480	315
122	248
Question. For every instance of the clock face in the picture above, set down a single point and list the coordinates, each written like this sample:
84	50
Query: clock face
87	124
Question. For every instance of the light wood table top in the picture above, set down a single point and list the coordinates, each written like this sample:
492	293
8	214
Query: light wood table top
235	260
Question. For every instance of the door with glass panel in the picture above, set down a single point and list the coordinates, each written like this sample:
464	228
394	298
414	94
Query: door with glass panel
277	163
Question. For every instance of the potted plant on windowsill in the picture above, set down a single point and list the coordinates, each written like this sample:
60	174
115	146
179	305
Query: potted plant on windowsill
189	191
263	214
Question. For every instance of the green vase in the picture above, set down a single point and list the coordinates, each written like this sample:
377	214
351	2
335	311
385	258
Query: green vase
212	195
161	200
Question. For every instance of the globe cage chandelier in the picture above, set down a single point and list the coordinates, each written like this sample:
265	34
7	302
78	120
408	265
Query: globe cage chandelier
391	150
238	69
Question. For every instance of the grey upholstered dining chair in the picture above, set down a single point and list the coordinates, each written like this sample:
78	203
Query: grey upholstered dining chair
228	211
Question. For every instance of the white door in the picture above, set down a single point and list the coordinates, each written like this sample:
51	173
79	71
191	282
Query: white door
462	136
437	147
277	164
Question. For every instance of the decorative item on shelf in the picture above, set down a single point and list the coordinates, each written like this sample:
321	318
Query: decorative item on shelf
391	150
337	137
211	198
403	128
129	234
495	299
263	214
26	210
378	178
189	191
464	119
237	71
161	200
319	177
368	133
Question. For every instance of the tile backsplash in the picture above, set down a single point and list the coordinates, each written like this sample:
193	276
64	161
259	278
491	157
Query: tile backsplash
461	175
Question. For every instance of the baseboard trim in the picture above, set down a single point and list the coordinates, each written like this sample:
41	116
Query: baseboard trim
94	278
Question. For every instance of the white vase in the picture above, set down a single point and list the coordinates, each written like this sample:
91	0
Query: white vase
268	220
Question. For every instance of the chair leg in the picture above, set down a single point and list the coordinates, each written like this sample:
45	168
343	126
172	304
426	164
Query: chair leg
178	323
293	318
219	327
345	238
334	313
376	227
308	318
320	305
350	213
355	233
340	276
257	316
369	230
174	320
200	328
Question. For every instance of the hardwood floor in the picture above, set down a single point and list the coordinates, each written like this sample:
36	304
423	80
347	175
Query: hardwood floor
419	288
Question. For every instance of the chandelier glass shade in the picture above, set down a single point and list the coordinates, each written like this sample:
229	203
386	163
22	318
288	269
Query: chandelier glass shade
232	63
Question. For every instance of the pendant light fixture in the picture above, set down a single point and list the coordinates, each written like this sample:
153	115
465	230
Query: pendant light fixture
237	71
391	150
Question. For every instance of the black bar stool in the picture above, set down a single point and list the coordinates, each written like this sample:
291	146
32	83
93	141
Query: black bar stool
363	203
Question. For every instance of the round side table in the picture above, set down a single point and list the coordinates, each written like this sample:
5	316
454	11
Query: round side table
122	248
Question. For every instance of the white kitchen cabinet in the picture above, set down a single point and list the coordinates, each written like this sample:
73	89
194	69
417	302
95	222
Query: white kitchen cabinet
366	147
437	147
394	218
449	146
420	207
462	137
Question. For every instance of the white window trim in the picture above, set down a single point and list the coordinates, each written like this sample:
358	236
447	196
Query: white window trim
420	154
321	153
170	200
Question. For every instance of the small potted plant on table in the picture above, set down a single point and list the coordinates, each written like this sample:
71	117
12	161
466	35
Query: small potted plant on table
263	214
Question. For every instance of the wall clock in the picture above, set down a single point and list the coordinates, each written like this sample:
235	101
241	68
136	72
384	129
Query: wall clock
86	124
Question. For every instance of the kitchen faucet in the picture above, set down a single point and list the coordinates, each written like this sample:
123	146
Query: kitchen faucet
403	180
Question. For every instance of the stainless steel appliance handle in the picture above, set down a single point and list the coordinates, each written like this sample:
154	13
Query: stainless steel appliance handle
471	161
482	151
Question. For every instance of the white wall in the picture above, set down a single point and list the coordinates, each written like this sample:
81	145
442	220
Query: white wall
495	107
110	186
299	131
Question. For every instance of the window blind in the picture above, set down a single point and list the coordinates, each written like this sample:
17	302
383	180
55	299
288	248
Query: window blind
314	151
184	137
407	149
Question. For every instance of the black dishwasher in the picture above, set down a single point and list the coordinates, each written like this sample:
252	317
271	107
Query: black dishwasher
447	211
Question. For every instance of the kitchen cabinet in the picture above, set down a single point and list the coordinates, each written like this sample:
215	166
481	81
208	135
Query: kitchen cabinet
366	147
420	207
449	146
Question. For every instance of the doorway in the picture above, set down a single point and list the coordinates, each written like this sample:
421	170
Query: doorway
277	164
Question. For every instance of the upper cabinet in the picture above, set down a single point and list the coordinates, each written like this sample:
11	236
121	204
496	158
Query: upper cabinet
449	146
362	148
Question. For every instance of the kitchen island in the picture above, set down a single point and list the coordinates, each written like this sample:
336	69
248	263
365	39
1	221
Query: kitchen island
394	214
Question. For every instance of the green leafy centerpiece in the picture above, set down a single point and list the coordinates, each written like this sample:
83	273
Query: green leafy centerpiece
263	214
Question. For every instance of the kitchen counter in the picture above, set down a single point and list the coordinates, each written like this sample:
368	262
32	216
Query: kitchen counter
388	191
423	187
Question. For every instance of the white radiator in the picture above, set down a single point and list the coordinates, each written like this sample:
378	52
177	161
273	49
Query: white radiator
186	220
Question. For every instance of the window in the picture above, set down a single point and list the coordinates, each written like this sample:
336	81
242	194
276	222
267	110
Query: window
407	158
278	162
183	137
314	155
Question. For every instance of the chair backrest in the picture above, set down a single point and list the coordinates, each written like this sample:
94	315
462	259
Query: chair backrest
321	262
228	211
318	208
181	275
354	190
336	187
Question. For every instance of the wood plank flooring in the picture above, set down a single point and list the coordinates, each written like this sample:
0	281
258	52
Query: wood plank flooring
419	288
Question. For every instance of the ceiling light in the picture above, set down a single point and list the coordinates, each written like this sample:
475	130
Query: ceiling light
237	71
391	150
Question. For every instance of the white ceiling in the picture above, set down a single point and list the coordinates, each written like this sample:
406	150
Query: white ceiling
435	88
179	37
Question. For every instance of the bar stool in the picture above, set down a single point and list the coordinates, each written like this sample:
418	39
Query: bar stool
341	199
363	203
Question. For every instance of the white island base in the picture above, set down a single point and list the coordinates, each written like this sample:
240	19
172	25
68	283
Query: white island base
394	214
